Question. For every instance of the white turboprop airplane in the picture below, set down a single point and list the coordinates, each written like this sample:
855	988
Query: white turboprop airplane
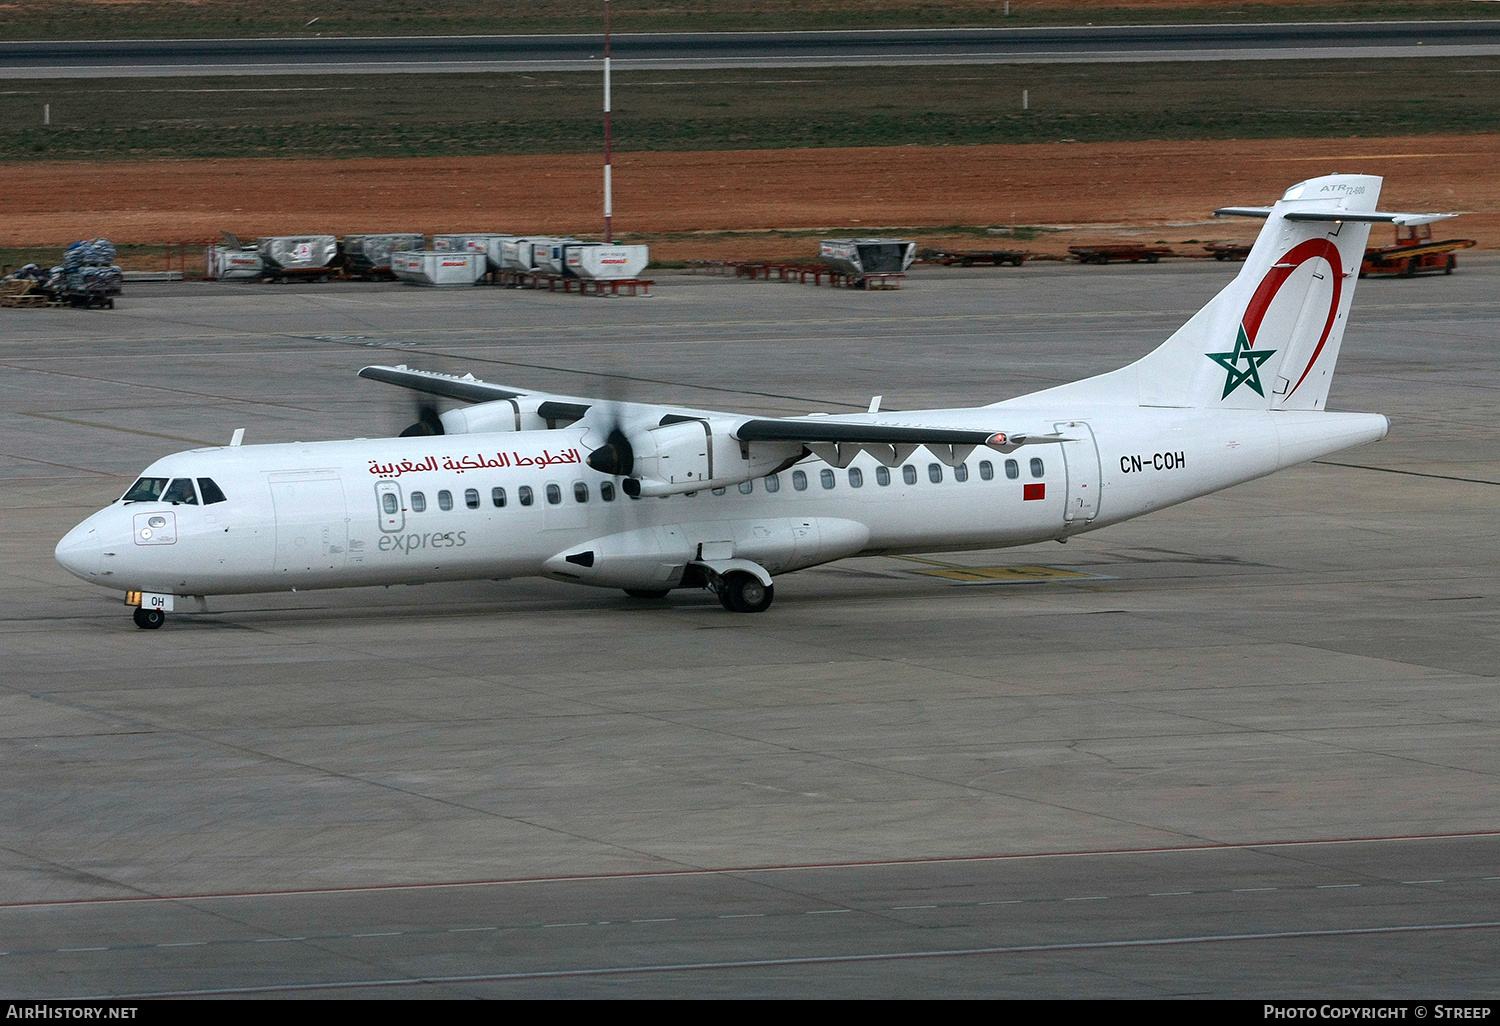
649	498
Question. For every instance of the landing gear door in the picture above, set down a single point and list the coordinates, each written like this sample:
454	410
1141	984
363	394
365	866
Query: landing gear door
1081	461
392	509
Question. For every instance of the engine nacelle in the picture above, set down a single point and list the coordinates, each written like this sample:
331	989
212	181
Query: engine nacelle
687	455
524	413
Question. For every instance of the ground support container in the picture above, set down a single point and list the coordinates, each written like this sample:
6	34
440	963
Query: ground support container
868	256
221	263
602	261
550	256
298	256
433	267
369	256
516	254
491	244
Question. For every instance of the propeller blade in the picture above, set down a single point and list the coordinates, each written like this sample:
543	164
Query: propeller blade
428	422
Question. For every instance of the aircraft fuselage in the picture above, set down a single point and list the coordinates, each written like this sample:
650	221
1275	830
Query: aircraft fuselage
521	503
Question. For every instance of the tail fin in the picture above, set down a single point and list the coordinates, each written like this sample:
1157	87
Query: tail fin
1271	338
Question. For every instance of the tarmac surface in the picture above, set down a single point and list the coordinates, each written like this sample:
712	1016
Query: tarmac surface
707	50
1252	752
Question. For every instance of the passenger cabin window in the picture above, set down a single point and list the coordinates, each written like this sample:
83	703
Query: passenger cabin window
882	476
181	490
497	497
799	480
554	495
211	492
580	492
147	489
1012	469
935	473
445	500
773	483
524	494
961	472
607	491
471	498
986	470
909	474
418	502
1036	466
856	477
746	487
827	478
388	503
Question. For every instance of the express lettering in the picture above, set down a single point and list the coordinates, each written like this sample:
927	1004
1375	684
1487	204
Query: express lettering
409	543
1156	461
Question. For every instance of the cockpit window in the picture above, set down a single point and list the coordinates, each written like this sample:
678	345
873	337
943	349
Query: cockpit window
181	490
147	489
211	492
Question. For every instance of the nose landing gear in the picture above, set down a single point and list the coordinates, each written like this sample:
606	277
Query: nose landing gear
149	619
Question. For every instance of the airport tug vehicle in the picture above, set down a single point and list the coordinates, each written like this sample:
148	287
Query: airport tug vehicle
649	498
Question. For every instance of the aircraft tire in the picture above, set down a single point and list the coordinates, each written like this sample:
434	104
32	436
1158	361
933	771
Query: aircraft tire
743	593
149	619
647	593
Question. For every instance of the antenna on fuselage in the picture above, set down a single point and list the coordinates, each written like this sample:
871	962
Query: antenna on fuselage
238	438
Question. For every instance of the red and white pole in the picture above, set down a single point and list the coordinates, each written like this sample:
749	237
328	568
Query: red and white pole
608	170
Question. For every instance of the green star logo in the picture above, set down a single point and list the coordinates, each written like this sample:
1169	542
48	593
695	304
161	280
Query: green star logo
1231	363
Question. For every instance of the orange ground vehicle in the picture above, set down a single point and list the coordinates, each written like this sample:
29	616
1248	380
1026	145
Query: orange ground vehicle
1413	253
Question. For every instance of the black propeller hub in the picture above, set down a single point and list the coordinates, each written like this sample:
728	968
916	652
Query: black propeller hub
615	456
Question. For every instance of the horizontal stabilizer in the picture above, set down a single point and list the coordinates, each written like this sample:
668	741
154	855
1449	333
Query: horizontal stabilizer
1364	217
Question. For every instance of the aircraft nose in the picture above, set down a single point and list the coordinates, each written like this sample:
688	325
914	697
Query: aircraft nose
80	551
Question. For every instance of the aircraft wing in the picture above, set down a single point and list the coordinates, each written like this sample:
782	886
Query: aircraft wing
468	388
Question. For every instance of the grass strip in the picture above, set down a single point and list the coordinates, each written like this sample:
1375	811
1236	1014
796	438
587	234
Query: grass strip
194	19
439	115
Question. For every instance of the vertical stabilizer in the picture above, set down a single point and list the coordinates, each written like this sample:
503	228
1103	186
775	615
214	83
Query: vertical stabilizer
1271	338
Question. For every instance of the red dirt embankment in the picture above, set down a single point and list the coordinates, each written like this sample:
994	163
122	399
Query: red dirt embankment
1161	188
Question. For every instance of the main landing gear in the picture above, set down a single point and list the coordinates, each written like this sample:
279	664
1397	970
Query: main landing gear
149	619
738	589
742	592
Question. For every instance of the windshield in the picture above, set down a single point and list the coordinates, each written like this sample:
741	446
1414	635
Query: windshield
181	490
147	489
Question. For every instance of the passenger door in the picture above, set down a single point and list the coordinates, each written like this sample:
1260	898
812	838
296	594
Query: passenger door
391	506
1081	462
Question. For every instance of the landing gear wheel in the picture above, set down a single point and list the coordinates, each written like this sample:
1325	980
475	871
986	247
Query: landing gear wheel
743	593
1451	264
149	619
647	593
